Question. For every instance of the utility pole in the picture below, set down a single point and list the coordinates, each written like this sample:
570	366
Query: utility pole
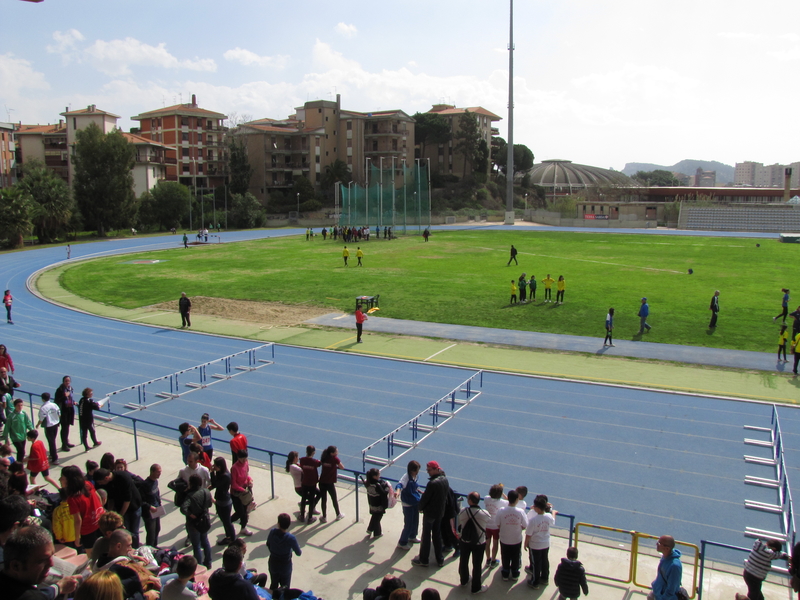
509	220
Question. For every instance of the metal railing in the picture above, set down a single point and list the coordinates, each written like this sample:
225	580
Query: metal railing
703	547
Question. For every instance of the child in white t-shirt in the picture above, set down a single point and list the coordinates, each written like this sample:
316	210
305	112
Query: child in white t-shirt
512	521
493	503
537	540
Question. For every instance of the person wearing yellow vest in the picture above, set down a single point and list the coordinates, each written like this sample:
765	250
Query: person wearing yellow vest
796	351
345	255
513	292
548	284
782	339
359	256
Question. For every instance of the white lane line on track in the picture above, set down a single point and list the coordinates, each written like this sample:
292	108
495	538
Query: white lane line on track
439	352
149	315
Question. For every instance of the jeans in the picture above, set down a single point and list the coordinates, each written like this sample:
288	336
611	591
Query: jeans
643	324
753	586
375	523
280	572
510	559
132	519
325	490
65	435
51	433
20	446
540	561
224	514
241	512
477	563
153	528
410	524
201	548
431	533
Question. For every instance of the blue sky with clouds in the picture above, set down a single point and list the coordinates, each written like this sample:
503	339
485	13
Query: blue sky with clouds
599	82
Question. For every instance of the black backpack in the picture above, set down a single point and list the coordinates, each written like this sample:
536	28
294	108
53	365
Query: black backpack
471	531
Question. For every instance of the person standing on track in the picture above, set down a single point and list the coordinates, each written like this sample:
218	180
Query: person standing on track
644	312
185	307
609	328
7	300
513	256
360	318
714	308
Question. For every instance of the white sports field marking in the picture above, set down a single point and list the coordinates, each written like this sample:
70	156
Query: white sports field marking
439	352
150	315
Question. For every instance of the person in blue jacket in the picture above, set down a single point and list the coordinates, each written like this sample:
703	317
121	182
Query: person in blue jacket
668	581
409	498
644	312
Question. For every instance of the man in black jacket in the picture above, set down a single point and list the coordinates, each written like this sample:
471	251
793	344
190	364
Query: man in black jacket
123	497
185	307
432	505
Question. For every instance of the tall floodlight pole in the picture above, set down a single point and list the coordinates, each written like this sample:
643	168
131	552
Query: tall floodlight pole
380	196
429	193
510	160
418	197
367	190
394	185
405	186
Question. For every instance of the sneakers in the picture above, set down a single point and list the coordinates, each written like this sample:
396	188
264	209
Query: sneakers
246	532
311	519
528	570
340	516
505	577
533	585
415	541
224	542
404	547
495	563
484	588
97	444
417	562
323	519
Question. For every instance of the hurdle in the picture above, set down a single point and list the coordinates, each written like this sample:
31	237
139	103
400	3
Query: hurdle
205	375
784	507
422	425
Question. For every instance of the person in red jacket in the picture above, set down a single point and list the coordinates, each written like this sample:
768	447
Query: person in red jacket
238	441
37	460
360	318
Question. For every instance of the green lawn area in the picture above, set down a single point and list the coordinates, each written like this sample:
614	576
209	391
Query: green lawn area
461	277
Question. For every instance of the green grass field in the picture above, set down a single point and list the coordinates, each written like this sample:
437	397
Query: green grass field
461	277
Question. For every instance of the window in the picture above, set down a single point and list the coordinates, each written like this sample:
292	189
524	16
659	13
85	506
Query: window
317	138
185	121
326	119
185	152
349	126
185	136
200	168
375	145
349	143
349	160
374	128
319	110
317	157
210	154
74	123
186	167
394	144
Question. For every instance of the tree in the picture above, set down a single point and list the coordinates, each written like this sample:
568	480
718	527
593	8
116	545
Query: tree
523	157
52	206
336	172
15	220
431	128
103	179
246	212
241	171
170	203
657	178
303	187
468	139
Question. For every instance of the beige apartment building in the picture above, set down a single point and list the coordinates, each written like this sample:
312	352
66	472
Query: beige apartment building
443	157
8	150
755	174
54	145
318	134
196	140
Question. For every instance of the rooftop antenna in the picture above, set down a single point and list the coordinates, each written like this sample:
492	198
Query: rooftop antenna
509	220
8	113
163	101
181	96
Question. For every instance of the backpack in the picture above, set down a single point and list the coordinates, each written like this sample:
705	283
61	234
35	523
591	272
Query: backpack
63	524
471	531
180	487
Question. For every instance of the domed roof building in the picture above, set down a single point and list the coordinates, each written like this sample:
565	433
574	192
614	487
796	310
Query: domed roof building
563	177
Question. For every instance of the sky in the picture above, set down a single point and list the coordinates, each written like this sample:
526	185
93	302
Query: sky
598	82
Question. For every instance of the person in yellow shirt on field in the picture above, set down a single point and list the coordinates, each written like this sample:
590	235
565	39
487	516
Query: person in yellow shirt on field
561	286
359	256
513	292
548	284
796	352
345	255
782	339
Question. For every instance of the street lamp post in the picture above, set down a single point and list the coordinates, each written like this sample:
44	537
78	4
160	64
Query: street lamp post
367	190
380	196
298	206
418	196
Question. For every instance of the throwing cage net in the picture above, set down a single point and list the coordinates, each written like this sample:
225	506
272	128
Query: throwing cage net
396	197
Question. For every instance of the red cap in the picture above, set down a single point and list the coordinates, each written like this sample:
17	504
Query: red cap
433	465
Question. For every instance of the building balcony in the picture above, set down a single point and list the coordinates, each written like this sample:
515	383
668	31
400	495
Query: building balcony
398	133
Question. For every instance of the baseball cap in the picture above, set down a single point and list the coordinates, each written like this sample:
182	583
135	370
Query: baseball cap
433	465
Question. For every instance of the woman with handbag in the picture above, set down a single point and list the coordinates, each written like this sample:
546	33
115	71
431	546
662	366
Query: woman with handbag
195	506
221	484
241	491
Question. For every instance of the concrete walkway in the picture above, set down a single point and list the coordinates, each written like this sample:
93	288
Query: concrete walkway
339	561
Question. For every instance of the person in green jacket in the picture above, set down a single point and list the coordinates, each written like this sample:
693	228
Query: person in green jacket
17	428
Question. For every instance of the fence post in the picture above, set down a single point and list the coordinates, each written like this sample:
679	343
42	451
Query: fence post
272	475
135	440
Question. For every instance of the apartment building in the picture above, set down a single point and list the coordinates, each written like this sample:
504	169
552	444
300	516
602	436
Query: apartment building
443	157
318	134
8	161
54	145
195	137
755	174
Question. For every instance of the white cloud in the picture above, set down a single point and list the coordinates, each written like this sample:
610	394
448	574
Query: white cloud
117	56
17	74
346	30
246	57
65	44
740	35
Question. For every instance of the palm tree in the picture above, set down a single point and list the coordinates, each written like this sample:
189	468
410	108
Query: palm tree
15	220
336	172
52	201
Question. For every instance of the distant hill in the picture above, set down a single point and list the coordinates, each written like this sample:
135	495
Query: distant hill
687	167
